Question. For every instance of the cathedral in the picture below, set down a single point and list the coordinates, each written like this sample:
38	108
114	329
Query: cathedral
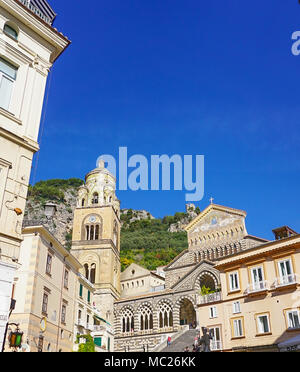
146	308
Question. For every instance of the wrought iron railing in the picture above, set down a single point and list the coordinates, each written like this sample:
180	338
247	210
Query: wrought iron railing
35	9
257	287
212	297
286	280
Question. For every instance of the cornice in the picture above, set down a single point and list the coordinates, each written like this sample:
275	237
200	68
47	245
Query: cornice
265	250
31	20
23	142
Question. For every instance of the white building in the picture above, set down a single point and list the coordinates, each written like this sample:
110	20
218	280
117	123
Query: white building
88	319
29	45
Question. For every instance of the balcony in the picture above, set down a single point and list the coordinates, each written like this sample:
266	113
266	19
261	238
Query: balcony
80	323
46	14
90	327
257	288
287	280
215	345
210	298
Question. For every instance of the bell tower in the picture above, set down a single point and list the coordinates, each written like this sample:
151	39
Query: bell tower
96	237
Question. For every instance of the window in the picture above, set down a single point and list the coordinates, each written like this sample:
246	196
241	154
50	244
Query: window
234	282
63	313
49	264
238	330
213	312
3	177
89	297
263	325
93	274
257	278
10	31
80	290
215	343
45	304
236	307
66	278
8	75
293	319
98	341
285	272
95	199
92	232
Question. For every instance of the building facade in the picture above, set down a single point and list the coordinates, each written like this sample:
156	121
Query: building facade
144	321
45	290
88	319
29	45
138	280
259	305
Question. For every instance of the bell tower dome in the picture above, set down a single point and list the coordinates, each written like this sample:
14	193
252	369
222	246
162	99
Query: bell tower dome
96	236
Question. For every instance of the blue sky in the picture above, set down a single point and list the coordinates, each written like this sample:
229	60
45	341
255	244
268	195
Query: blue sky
215	78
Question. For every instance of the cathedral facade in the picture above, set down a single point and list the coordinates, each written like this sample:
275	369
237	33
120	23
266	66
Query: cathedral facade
145	322
144	317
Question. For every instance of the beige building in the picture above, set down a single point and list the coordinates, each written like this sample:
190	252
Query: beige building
137	280
45	290
258	308
29	45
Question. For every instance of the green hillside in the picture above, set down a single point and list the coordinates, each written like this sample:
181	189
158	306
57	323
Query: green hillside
146	242
150	244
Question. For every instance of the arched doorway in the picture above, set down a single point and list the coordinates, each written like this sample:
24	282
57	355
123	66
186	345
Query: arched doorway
187	313
207	283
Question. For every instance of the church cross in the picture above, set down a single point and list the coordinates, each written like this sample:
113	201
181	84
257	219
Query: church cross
211	200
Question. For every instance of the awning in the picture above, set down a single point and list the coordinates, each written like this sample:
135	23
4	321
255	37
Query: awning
101	319
293	344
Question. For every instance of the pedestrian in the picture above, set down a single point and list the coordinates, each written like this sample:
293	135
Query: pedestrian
196	341
169	341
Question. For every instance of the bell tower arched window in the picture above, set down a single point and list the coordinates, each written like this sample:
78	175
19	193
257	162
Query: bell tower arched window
95	199
115	234
92	228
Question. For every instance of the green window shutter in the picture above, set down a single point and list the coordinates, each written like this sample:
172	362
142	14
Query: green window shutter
80	290
98	341
89	296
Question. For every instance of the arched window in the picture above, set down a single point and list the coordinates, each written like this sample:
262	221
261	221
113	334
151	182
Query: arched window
146	318
10	31
165	315
97	228
95	199
87	271
127	320
93	273
116	234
